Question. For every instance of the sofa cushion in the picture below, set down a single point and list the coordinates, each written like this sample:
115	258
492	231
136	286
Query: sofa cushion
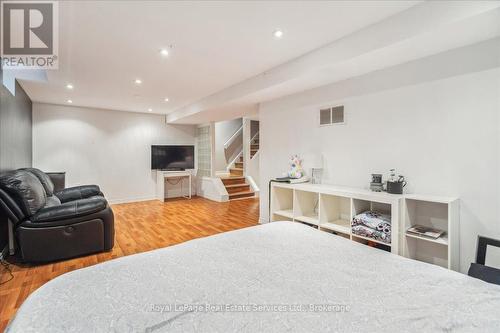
44	179
25	189
70	209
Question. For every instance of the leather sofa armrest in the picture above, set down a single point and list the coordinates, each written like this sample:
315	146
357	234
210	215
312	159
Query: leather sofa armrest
70	209
10	208
79	192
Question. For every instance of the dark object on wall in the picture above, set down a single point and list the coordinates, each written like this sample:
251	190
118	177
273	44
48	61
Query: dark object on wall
479	270
331	115
395	187
52	225
15	137
172	157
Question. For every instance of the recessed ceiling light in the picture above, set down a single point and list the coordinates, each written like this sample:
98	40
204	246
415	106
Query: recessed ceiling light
278	33
69	86
164	52
166	99
70	101
138	81
150	110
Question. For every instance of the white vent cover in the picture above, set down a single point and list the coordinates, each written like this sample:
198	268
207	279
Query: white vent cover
333	115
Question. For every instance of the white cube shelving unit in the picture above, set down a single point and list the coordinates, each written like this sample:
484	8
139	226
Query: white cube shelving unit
331	208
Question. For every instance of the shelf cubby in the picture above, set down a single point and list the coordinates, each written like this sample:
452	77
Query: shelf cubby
429	252
282	203
306	207
438	214
281	216
360	206
335	213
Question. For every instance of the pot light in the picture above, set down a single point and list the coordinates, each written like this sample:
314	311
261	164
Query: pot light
70	101
150	110
278	33
69	86
166	99
138	81
164	52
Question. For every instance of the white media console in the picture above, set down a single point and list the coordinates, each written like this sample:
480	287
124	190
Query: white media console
331	208
162	178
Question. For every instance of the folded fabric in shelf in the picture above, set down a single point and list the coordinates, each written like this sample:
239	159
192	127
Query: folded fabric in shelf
364	231
372	224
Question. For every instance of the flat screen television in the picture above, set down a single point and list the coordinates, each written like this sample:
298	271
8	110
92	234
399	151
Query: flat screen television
172	157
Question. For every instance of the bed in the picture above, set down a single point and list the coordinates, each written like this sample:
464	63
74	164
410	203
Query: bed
276	277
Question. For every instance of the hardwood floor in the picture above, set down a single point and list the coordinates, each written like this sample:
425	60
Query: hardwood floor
139	227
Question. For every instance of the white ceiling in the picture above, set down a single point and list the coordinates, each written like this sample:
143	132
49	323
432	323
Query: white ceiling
105	45
424	30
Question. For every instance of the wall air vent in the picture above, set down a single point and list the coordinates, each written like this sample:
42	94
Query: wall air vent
331	115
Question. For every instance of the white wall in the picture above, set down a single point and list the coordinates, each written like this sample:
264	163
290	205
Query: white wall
443	135
223	132
104	147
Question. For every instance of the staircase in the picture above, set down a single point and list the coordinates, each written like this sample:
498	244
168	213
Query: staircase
237	170
236	185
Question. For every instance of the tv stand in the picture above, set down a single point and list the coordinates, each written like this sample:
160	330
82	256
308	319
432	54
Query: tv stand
161	182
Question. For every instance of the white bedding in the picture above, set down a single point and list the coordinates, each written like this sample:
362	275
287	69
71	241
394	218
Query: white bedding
282	264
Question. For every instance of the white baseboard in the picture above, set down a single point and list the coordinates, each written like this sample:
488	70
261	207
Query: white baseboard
171	193
253	185
129	200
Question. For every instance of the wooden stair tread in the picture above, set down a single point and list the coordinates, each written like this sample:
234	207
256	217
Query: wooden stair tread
236	185
241	193
234	180
237	169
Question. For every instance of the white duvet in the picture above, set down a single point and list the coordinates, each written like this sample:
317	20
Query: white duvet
273	278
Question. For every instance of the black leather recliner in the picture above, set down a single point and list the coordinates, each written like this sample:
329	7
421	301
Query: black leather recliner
51	226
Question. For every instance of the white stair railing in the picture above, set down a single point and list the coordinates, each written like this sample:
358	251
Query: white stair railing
233	137
252	140
254	137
